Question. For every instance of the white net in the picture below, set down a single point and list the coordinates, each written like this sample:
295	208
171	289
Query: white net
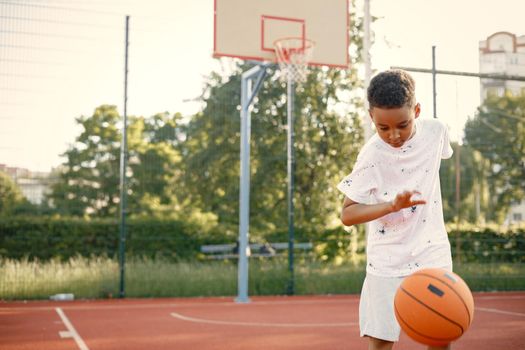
293	55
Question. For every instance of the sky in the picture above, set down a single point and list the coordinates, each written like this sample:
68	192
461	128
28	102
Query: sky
59	59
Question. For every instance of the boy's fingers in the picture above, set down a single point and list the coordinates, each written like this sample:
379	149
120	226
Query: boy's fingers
409	193
416	196
405	194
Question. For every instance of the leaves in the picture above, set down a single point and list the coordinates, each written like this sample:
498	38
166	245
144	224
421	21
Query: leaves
89	180
326	142
10	195
497	132
471	179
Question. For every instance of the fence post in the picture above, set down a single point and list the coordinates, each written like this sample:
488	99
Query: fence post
123	165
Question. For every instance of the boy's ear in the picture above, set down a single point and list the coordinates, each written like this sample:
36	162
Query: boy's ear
417	110
370	114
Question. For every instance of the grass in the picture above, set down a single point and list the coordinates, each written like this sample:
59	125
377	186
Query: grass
89	278
159	278
492	276
98	277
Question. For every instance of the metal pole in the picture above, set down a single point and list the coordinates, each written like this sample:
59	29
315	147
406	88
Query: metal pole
434	93
244	196
247	95
458	202
290	169
368	68
463	74
123	165
367	122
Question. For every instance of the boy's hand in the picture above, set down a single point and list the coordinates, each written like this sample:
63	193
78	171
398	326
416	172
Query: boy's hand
405	200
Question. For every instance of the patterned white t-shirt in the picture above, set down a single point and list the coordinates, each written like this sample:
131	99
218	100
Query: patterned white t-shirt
413	238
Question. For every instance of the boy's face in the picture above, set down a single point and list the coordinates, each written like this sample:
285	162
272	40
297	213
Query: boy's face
395	125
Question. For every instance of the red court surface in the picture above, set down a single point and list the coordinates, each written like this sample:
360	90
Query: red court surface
319	322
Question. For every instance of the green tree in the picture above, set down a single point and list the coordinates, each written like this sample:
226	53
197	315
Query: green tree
328	137
497	132
90	178
155	164
470	176
10	195
89	182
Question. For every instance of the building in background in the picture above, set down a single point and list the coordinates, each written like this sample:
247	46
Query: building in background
504	53
33	184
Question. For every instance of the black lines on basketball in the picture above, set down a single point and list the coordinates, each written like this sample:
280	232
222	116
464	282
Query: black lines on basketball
405	324
433	310
435	290
451	288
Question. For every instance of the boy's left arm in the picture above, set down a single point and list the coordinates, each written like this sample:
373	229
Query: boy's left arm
354	213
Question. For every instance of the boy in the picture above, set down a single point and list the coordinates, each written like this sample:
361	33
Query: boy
394	186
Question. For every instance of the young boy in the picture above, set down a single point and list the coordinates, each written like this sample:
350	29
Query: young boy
394	186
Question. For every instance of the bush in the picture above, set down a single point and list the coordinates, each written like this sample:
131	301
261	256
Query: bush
46	237
488	246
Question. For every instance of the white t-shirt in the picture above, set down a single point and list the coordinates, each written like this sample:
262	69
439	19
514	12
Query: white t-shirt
413	238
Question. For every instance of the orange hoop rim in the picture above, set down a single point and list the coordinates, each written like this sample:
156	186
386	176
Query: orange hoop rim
293	55
285	50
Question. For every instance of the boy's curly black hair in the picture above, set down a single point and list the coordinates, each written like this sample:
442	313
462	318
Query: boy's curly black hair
392	89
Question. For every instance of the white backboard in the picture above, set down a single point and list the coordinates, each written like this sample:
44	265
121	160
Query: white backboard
247	29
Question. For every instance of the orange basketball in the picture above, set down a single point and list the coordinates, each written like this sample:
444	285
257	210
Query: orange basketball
434	306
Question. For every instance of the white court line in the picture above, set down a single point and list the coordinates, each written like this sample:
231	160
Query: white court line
499	297
496	311
72	332
191	304
261	324
229	302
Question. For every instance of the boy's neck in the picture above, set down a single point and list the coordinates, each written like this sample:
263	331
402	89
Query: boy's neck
414	130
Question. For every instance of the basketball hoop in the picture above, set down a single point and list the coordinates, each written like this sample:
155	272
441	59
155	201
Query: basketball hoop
293	55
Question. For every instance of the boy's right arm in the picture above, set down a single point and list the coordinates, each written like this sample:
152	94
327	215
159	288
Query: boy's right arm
354	213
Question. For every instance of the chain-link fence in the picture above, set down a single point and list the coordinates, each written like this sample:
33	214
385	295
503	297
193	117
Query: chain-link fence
61	117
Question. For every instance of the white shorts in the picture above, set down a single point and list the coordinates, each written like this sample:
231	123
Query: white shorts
376	307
